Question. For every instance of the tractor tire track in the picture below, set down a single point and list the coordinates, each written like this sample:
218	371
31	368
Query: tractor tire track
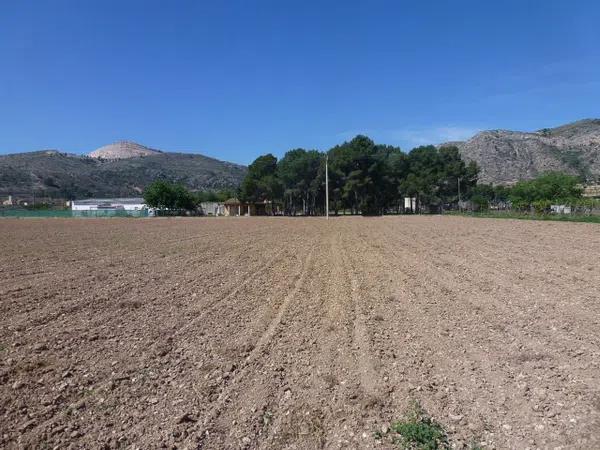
259	351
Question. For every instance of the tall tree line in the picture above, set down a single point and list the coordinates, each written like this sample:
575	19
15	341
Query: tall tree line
364	177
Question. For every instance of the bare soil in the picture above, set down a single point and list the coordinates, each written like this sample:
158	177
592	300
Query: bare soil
297	333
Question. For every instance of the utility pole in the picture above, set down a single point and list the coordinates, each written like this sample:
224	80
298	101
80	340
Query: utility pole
326	187
458	183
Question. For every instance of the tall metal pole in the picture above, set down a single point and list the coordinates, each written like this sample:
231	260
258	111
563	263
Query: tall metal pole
326	187
458	183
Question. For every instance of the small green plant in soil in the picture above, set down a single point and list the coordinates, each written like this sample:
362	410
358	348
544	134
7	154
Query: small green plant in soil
417	431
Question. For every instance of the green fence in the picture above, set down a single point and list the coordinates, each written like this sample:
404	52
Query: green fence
15	212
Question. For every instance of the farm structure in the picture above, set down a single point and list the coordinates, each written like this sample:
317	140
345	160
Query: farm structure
212	208
109	207
235	207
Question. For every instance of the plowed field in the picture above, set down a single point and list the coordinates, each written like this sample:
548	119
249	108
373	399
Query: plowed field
297	333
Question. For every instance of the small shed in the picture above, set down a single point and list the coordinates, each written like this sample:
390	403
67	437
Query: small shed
234	207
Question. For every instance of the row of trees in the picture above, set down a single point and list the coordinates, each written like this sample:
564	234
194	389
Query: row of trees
371	179
364	177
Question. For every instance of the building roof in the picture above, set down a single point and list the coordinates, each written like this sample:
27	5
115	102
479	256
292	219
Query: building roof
120	201
233	201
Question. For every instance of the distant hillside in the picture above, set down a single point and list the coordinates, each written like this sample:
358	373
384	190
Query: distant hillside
508	156
111	172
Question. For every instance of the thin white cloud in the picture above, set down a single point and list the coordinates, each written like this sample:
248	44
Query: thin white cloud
434	135
414	136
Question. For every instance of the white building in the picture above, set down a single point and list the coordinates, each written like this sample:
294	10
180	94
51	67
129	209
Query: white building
8	202
410	204
560	209
109	206
94	204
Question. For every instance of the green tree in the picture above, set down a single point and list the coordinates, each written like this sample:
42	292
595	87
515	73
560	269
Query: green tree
396	172
358	170
261	182
436	176
184	199
162	194
298	170
424	168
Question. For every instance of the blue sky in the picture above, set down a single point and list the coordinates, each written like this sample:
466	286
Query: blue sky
235	79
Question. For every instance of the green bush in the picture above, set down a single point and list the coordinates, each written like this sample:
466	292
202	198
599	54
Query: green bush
480	203
553	187
541	206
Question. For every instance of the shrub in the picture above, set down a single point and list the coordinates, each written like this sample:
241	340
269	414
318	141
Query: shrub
480	203
553	187
541	206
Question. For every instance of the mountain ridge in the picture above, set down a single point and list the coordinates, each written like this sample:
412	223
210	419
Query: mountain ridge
125	168
507	156
59	174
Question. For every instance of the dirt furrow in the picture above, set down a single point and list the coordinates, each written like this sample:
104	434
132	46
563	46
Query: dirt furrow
255	360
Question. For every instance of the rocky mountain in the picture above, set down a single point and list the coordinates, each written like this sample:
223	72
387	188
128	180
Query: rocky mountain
120	169
122	150
126	168
508	156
